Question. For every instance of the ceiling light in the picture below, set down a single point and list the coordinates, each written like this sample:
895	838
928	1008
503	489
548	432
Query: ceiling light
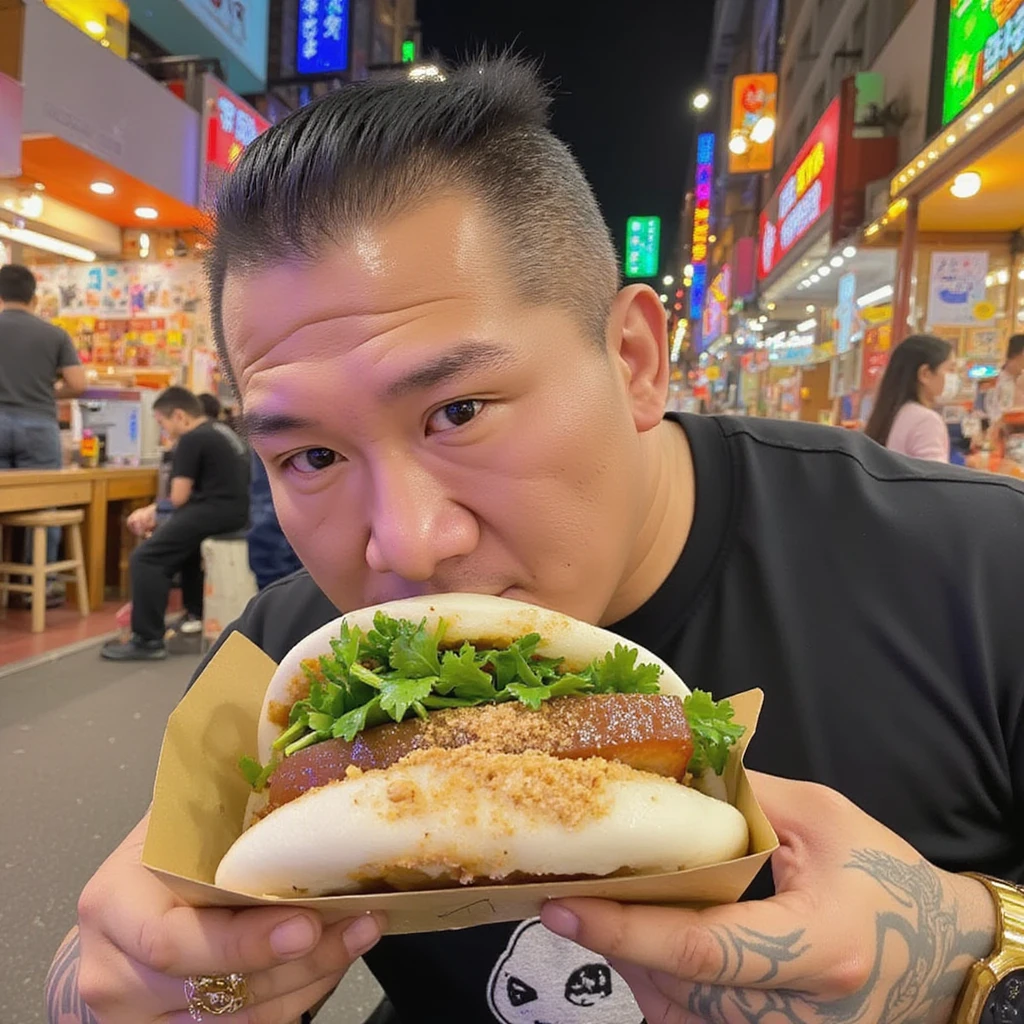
824	271
102	188
45	242
1003	277
94	28
837	261
950	139
664	298
1010	88
146	213
921	165
933	154
763	319
701	101
974	120
667	280
712	239
738	144
771	307
988	108
763	130
39	186
809	309
807	325
878	295
814	278
688	270
850	251
966	185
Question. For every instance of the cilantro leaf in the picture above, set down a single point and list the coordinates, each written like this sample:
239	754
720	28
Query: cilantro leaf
380	639
353	722
346	645
509	664
251	769
619	673
398	695
713	729
414	656
531	696
461	675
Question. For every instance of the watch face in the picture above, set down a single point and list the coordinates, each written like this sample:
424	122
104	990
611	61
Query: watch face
1006	1003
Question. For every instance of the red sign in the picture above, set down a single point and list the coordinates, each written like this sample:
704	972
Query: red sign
877	349
805	195
232	126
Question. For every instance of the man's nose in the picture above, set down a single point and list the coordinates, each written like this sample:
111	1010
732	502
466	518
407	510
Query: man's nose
414	524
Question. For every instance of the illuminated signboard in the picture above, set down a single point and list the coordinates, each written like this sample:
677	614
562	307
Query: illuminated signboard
754	100
230	125
805	195
716	309
985	38
704	183
643	244
322	42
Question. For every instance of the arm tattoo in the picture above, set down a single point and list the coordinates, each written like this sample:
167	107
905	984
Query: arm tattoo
936	950
63	1003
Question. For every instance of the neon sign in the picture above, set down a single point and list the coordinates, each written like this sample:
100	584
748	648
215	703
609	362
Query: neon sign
716	309
704	183
805	195
233	125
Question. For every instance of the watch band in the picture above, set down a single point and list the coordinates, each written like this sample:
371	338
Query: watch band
1008	954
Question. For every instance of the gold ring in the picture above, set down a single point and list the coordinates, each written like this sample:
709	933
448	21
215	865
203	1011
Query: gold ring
215	994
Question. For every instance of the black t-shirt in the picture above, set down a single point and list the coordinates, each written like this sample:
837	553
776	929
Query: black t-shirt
216	460
875	599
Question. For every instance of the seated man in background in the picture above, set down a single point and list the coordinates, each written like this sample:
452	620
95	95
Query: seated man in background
209	495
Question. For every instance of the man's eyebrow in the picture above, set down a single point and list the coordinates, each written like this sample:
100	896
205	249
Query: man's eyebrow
267	424
463	359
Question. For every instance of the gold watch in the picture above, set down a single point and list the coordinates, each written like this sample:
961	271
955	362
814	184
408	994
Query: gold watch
994	990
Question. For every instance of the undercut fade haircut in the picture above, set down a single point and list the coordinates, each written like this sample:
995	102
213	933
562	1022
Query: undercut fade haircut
176	397
370	152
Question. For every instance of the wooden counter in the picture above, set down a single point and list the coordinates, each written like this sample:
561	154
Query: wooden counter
94	490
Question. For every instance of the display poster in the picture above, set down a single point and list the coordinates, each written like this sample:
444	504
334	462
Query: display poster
240	25
846	313
957	290
120	290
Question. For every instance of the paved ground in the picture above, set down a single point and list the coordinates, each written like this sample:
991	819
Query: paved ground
79	740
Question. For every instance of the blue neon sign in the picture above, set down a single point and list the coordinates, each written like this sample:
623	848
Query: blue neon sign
322	44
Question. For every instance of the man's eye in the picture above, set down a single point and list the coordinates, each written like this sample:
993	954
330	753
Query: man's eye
455	414
313	460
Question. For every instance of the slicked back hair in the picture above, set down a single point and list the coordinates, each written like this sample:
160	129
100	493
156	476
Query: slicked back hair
372	151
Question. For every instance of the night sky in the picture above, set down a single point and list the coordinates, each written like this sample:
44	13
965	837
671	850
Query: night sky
622	86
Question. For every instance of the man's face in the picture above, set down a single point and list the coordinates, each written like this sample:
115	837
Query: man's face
425	432
172	424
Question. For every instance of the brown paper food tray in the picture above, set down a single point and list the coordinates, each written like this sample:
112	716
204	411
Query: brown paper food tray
200	796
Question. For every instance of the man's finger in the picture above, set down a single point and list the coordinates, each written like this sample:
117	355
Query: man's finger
751	945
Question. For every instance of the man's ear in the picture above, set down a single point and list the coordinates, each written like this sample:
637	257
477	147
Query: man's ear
638	346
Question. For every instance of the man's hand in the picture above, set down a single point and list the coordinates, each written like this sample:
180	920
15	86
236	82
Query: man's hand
861	929
142	522
138	943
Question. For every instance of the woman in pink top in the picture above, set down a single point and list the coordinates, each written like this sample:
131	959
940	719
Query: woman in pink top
904	417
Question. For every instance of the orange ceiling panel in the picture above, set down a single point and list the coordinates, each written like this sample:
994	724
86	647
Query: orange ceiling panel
67	172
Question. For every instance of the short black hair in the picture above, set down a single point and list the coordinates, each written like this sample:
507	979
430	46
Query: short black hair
17	284
1014	347
373	150
210	404
176	397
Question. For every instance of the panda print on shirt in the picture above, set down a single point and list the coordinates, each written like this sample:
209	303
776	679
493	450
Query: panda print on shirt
544	979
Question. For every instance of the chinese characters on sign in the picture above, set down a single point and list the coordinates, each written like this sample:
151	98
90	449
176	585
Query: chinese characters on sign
985	38
703	186
753	106
323	37
233	125
716	309
643	242
805	195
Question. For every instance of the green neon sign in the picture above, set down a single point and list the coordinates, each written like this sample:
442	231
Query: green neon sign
409	51
985	38
643	243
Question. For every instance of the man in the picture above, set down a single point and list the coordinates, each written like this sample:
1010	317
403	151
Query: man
209	495
417	297
1007	393
38	362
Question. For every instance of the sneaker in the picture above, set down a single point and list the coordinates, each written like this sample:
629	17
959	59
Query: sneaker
189	625
134	650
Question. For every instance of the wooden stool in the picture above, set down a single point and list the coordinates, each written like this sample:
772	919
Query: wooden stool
38	523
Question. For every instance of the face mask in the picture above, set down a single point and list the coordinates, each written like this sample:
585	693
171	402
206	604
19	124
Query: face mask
951	387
